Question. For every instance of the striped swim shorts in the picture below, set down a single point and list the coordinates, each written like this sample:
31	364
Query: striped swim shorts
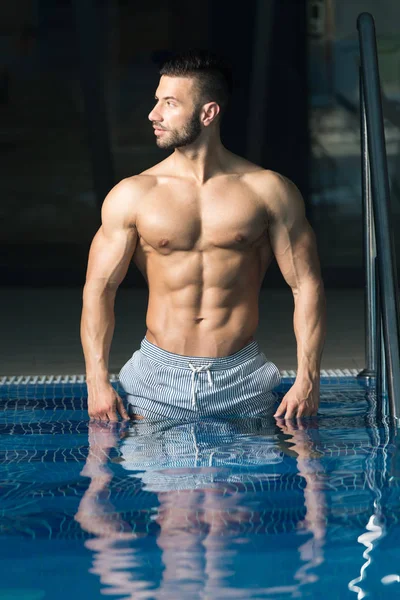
163	385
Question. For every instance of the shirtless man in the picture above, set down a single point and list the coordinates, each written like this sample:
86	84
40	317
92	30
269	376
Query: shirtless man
203	226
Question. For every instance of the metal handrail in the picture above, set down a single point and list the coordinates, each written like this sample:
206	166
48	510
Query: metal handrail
374	142
370	314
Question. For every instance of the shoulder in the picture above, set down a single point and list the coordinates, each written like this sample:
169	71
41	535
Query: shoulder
268	181
123	199
131	188
279	195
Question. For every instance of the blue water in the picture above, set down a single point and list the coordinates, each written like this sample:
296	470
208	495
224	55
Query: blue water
213	509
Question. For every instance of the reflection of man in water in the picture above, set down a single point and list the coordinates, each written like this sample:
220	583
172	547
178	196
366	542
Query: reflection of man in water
203	518
203	226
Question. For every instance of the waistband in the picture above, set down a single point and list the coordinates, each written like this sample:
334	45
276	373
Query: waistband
251	350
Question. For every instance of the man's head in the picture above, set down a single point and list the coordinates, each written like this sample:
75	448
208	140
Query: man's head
192	95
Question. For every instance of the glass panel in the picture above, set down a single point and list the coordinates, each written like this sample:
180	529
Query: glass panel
334	121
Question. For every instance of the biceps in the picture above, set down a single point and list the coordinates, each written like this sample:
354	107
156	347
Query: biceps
296	254
109	256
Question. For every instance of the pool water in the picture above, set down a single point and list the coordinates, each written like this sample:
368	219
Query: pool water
212	509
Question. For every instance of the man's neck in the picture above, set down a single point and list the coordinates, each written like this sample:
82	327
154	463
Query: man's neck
200	163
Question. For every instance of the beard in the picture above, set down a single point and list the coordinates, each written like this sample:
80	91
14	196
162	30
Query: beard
183	137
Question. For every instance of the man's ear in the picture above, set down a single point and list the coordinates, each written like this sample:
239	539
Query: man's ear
210	112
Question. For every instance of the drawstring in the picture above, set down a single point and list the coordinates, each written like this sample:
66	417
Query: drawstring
198	370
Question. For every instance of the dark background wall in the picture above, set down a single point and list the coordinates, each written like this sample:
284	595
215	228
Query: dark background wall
77	81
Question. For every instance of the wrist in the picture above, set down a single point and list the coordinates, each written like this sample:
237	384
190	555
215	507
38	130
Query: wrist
308	376
97	379
309	368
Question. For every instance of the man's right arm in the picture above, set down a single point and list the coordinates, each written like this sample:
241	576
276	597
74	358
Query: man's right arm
110	254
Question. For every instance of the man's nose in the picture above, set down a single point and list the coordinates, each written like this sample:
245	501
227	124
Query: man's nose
154	115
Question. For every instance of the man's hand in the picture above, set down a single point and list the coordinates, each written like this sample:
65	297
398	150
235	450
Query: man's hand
104	403
302	400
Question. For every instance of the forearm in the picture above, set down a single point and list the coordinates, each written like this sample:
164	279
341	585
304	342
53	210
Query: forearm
309	322
97	329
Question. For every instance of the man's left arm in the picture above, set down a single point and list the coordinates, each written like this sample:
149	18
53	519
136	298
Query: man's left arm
294	245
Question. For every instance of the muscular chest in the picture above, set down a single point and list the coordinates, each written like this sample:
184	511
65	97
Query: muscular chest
189	220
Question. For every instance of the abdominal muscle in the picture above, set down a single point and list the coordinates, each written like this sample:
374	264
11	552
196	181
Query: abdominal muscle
208	311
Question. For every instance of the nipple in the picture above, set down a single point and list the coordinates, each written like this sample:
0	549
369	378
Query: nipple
162	243
239	237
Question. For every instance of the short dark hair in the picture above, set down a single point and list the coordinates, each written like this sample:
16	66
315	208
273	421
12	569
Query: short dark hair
213	73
